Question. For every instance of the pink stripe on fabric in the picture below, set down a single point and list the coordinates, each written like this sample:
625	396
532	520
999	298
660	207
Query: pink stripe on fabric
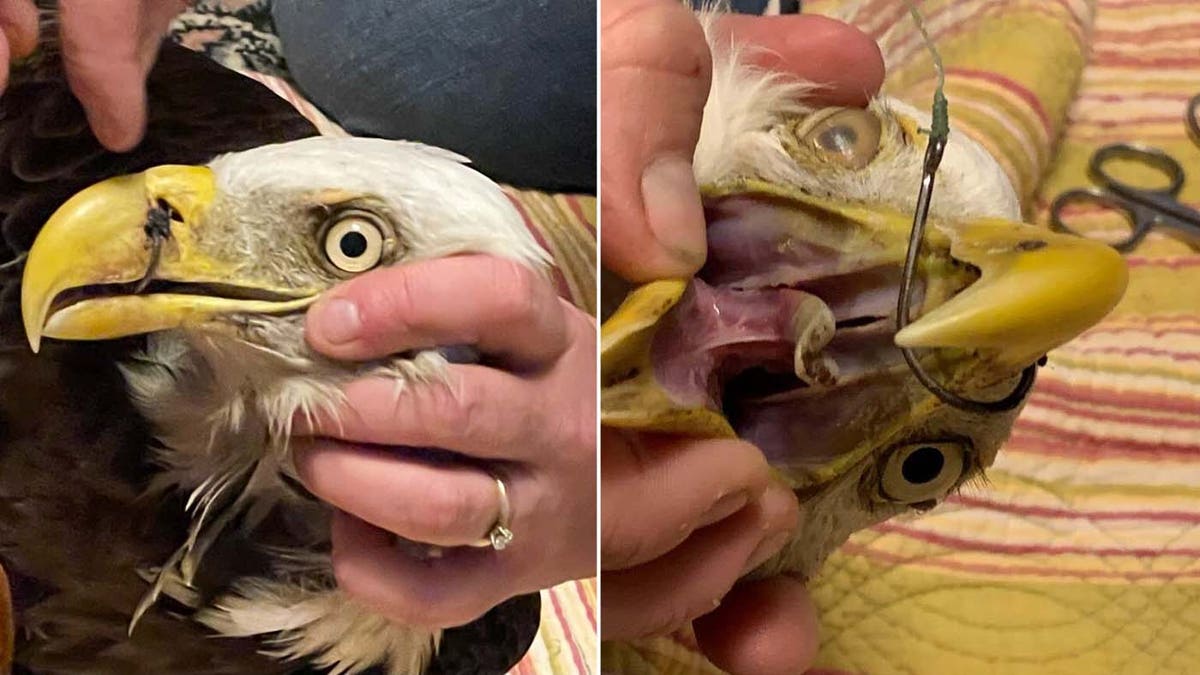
978	545
576	657
1097	439
1010	85
583	600
1033	444
1113	416
1138	351
561	286
1187	517
1175	263
924	560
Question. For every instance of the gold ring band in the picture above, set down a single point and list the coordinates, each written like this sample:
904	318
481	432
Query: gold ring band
500	536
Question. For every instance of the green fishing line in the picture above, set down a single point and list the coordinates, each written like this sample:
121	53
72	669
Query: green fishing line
940	125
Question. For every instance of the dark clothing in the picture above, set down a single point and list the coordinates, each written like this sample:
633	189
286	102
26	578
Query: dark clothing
511	84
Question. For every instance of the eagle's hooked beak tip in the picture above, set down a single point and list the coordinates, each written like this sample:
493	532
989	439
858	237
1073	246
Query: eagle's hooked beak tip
1037	290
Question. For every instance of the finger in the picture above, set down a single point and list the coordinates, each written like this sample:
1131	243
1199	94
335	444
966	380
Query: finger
474	410
643	474
655	70
500	306
19	22
440	592
157	16
4	61
441	504
838	56
665	593
108	48
766	627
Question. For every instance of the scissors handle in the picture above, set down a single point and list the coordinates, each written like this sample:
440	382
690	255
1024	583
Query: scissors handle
1140	218
1142	154
1163	201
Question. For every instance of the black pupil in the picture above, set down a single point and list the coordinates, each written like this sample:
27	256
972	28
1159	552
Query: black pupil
353	244
923	465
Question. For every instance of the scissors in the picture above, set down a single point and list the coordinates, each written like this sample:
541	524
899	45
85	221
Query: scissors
1144	208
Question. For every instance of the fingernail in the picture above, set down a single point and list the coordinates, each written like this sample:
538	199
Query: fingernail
338	321
723	508
766	548
673	209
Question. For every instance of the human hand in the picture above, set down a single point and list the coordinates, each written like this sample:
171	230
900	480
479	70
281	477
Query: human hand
108	47
533	421
716	513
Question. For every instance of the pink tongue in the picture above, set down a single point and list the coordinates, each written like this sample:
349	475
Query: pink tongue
713	331
736	328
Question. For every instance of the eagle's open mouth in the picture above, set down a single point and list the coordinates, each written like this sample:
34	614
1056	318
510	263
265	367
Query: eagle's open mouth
783	318
787	337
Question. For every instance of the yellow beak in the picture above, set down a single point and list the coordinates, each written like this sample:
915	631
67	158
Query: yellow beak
1036	291
81	271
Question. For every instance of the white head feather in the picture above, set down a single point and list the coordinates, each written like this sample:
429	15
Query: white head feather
738	137
442	206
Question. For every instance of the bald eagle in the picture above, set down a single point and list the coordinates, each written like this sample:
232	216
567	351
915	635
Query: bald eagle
787	337
147	499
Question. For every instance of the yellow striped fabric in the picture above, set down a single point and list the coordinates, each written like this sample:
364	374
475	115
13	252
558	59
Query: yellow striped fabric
1081	552
565	225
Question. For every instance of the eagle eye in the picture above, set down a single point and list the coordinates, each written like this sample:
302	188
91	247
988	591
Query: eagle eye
355	241
845	136
922	472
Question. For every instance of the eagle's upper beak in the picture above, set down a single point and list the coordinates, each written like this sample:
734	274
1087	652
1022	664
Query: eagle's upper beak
84	275
995	292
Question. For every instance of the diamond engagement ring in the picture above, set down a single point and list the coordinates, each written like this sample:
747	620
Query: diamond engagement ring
500	536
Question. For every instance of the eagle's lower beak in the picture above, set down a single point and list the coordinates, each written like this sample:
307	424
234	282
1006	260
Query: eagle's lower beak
1002	293
92	274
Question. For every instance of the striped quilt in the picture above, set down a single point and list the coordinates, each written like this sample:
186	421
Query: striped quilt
1081	553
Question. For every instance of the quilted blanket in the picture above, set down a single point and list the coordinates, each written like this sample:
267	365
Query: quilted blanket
1081	552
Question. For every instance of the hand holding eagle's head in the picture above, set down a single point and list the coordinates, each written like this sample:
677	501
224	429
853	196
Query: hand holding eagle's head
787	336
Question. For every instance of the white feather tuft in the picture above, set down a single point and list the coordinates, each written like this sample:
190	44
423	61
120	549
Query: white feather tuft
321	625
744	103
749	108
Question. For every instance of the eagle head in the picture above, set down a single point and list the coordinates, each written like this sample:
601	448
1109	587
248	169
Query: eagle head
216	265
787	336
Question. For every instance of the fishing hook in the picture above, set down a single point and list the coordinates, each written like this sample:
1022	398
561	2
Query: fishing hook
158	230
933	159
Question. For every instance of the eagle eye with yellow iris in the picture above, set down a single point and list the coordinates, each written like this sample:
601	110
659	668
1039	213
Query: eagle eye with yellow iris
355	240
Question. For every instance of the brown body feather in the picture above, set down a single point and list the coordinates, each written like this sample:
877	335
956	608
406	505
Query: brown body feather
74	529
78	534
